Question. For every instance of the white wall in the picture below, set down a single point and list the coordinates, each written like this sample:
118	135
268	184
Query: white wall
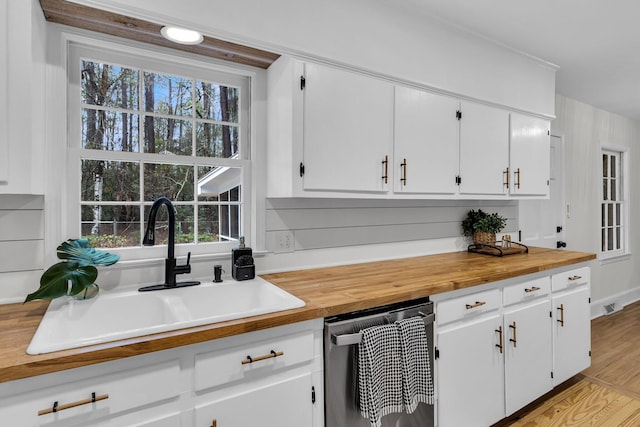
375	35
585	129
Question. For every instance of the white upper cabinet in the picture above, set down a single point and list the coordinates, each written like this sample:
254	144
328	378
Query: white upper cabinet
347	131
529	156
484	150
425	142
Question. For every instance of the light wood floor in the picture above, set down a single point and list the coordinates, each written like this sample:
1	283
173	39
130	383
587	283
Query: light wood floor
606	394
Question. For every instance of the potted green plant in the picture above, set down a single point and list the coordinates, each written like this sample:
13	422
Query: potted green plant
482	226
75	275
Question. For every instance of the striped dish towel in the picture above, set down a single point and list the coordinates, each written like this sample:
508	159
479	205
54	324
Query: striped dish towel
417	383
380	373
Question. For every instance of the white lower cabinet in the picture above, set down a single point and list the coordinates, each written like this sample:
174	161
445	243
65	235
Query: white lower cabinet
471	373
571	324
499	349
283	403
185	386
528	356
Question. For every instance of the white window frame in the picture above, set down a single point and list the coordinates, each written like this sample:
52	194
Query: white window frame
623	195
76	47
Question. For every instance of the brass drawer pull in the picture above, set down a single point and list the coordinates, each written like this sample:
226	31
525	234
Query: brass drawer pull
385	169
214	423
514	340
517	172
271	355
574	278
505	180
404	172
531	289
561	320
477	304
58	408
499	331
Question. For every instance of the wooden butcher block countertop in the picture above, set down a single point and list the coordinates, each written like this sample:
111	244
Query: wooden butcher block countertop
326	292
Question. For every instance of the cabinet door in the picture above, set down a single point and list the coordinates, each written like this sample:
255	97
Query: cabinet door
484	149
425	142
528	356
348	131
530	156
572	333
471	374
286	403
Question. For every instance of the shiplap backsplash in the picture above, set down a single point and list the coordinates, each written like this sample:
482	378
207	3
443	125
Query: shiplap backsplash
21	245
332	223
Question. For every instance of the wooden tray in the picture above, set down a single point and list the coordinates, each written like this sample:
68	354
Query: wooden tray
498	250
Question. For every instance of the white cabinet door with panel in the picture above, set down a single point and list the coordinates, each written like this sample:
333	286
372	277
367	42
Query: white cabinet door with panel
530	159
528	353
471	373
425	142
484	149
347	131
285	403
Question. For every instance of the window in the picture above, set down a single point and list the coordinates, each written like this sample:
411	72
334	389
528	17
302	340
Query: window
141	128
613	229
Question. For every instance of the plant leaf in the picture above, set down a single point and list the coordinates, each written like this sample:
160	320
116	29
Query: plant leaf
78	252
54	281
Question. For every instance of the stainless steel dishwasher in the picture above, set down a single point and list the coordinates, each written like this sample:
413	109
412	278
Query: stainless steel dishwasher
340	346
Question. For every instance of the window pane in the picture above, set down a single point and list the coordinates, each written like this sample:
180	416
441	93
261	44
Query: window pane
167	136
618	241
216	102
109	85
603	214
613	166
605	165
174	182
104	180
108	130
183	226
216	140
111	226
167	94
618	215
605	192
610	214
604	240
209	223
614	192
214	183
610	239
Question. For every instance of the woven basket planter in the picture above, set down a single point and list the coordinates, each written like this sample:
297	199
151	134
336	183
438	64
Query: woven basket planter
484	238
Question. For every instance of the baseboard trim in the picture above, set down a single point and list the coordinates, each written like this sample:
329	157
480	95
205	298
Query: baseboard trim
619	301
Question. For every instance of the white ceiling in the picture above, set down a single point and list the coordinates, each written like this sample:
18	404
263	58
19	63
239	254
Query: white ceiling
596	43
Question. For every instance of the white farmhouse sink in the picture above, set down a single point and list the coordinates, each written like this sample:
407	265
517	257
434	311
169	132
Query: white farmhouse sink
109	317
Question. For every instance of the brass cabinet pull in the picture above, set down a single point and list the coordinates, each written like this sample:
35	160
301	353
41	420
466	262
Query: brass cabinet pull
561	320
58	408
531	289
214	423
385	169
574	278
499	331
505	181
514	340
517	172
477	304
272	354
403	165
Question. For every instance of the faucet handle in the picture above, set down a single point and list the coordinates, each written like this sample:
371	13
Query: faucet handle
184	268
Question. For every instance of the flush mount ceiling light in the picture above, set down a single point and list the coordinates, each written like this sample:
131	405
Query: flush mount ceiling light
181	35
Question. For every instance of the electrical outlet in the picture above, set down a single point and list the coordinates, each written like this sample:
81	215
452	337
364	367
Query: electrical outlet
283	242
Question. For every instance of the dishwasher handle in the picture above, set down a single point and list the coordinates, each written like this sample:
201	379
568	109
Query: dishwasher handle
356	338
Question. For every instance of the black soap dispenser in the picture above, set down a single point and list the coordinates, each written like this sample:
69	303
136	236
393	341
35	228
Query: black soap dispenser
242	266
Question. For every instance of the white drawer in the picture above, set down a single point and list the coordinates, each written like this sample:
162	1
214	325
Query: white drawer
467	306
526	291
570	279
226	365
115	393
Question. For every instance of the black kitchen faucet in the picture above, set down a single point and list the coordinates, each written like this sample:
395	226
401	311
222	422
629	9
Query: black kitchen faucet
171	270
